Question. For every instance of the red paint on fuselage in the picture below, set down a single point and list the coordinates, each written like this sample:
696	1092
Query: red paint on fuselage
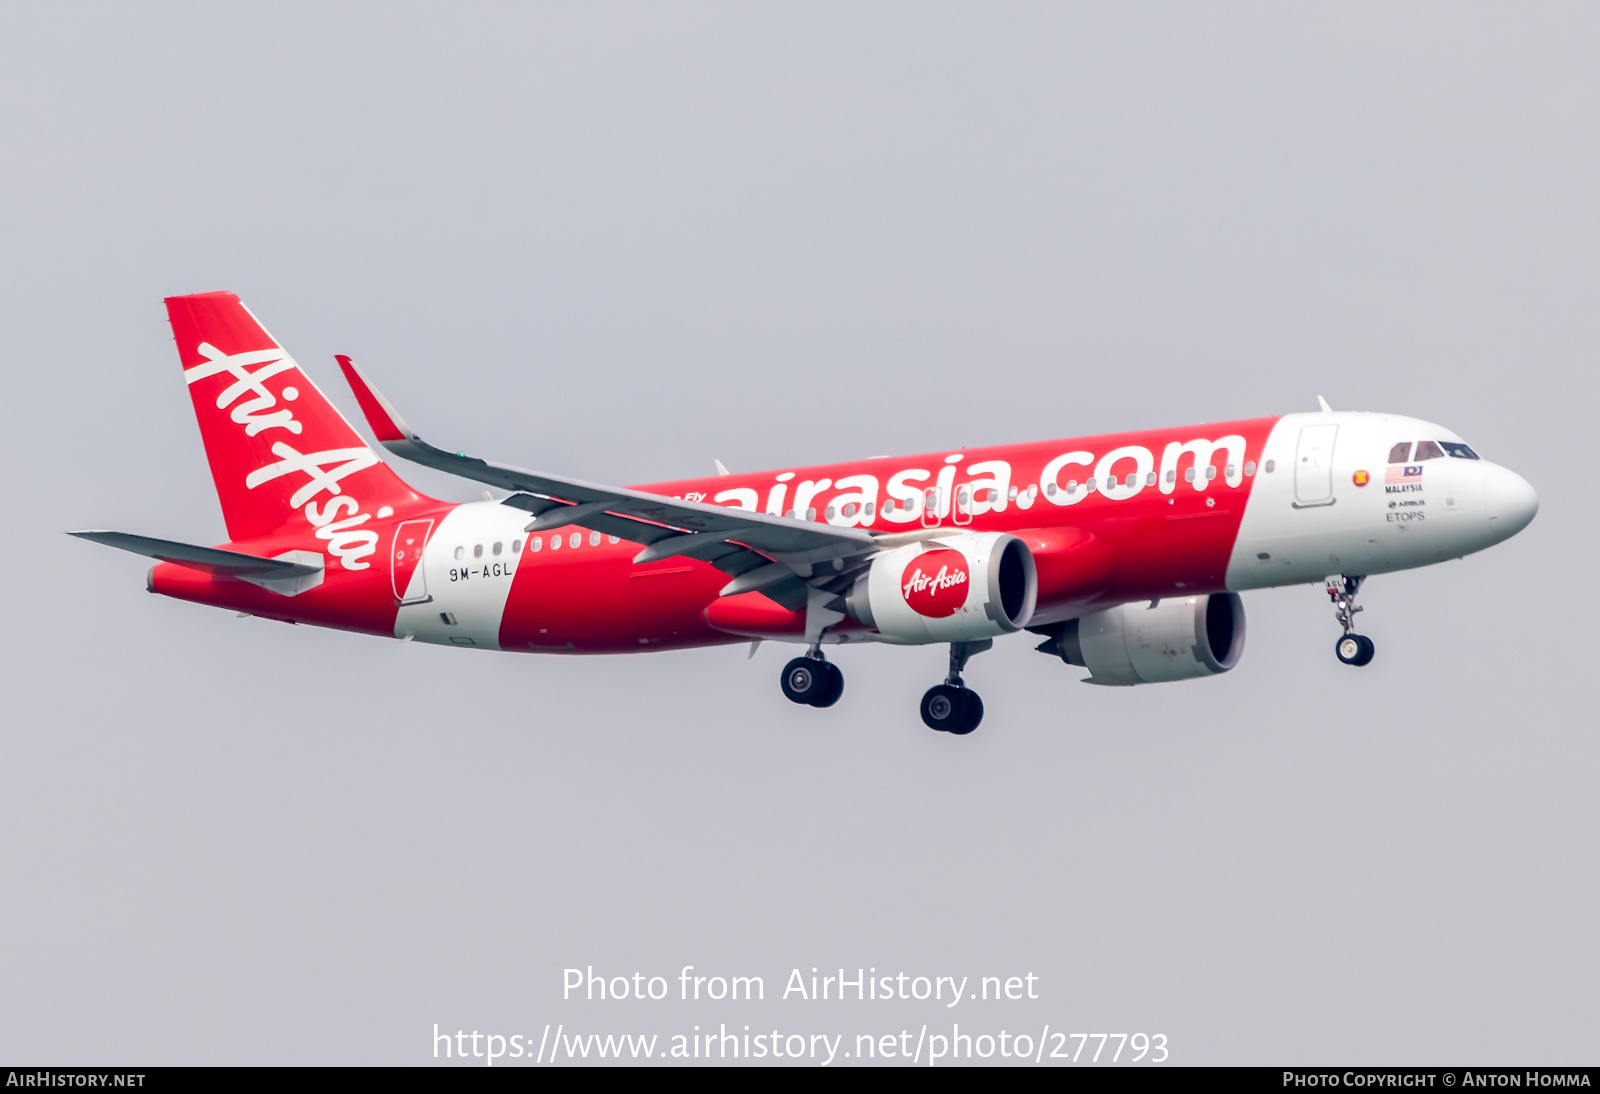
1093	552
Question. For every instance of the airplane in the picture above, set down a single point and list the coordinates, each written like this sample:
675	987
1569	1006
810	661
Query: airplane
1124	554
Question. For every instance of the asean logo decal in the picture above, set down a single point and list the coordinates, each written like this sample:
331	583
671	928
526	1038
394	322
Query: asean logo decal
1360	478
935	583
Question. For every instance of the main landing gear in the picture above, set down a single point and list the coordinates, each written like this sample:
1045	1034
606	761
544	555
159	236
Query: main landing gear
1352	648
812	680
952	707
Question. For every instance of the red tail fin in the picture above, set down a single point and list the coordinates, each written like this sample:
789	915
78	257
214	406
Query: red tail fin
279	451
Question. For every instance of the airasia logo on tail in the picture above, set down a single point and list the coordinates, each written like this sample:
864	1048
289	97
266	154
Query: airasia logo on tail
935	583
336	520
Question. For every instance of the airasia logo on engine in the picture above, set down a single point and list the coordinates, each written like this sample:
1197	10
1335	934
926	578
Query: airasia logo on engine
935	583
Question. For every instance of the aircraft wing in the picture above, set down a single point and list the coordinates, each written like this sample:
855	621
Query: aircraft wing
208	559
779	556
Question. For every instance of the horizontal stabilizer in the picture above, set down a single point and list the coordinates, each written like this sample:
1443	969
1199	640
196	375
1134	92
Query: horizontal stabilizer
208	559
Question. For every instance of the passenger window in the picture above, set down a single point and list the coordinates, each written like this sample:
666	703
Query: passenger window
1400	453
555	543
477	550
575	539
516	546
1458	450
497	548
461	553
1427	450
613	539
536	543
594	539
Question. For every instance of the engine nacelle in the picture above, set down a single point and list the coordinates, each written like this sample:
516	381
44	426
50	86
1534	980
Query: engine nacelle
1176	639
958	588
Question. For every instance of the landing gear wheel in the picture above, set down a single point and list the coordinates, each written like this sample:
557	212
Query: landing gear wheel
974	715
832	685
811	681
945	708
805	679
1354	649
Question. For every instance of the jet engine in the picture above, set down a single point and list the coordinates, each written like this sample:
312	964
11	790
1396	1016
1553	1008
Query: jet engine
958	588
1173	639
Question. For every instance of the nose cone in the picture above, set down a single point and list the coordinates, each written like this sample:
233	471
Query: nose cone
1509	502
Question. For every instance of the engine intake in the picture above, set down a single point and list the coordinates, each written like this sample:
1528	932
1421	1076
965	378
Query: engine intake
1174	639
957	588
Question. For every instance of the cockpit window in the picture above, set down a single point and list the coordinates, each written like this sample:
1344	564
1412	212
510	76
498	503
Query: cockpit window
1400	453
1427	450
1458	450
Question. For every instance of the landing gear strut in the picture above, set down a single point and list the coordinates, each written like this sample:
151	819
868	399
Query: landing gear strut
952	707
812	680
1352	648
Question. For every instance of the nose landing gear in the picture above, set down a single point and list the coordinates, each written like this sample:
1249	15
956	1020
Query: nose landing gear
1352	648
952	707
812	680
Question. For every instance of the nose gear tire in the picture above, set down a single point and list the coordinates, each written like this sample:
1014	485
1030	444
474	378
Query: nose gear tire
1354	649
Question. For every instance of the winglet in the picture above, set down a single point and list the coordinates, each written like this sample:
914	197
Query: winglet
385	420
401	440
1323	403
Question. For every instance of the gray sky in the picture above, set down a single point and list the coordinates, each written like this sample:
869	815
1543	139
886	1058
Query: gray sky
621	241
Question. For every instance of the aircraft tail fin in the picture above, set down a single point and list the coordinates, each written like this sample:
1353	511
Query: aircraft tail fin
277	448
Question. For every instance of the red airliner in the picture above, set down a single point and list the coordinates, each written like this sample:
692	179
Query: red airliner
1124	553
